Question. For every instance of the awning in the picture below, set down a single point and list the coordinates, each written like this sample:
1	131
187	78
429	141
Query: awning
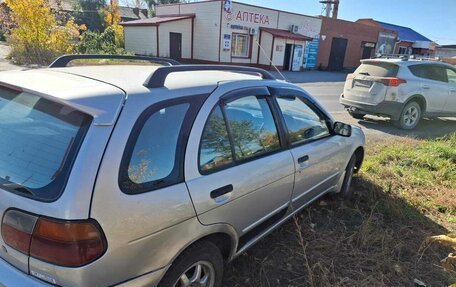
286	34
156	21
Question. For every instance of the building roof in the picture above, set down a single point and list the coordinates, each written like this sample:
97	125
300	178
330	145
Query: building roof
73	6
130	13
448	46
156	21
65	5
405	33
286	34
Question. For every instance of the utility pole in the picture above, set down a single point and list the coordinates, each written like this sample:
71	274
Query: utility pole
331	6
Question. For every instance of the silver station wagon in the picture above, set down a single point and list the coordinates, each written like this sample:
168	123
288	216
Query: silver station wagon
155	175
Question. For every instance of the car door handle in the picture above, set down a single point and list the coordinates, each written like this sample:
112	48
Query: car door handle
426	87
221	191
303	159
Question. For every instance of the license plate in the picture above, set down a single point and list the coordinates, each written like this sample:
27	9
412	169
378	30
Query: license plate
363	83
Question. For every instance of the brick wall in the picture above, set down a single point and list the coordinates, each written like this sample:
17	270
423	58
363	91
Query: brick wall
356	33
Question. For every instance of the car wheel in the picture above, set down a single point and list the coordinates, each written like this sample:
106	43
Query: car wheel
201	265
349	172
410	116
357	116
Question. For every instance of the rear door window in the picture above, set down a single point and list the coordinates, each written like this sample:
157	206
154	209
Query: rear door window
430	72
251	126
377	69
38	144
451	76
215	147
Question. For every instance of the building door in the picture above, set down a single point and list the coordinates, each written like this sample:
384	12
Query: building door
288	57
337	56
367	53
175	46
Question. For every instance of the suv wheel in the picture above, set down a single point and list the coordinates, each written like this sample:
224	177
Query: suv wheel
410	116
357	116
201	265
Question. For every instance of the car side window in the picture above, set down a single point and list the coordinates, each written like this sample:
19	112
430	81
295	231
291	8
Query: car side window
451	76
215	149
302	122
154	154
430	72
251	127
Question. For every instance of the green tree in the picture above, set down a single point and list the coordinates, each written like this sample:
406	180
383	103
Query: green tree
90	13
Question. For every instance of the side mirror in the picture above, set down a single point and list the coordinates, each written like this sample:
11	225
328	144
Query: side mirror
342	129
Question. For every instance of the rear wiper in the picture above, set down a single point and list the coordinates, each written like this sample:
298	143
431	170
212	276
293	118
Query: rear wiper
18	187
364	73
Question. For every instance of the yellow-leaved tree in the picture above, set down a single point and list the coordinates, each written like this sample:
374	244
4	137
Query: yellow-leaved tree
112	19
37	36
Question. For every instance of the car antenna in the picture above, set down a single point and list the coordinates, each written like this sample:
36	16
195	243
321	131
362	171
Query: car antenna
270	61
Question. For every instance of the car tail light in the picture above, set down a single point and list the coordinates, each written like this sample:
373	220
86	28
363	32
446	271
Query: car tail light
63	243
350	76
393	82
17	229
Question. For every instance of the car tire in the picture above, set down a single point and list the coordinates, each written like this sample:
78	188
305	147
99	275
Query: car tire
357	116
410	116
201	262
345	190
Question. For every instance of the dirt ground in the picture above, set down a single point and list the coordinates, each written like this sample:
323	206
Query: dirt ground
5	65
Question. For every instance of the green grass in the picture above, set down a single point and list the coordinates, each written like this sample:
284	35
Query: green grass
423	173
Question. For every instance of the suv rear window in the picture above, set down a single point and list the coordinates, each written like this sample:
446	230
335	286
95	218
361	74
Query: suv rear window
39	141
377	69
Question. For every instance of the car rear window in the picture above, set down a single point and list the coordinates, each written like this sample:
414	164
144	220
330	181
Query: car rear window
39	141
377	69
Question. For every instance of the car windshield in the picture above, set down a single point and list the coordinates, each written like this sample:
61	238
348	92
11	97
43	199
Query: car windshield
377	69
38	143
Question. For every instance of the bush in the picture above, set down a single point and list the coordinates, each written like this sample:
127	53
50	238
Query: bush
2	36
38	36
99	43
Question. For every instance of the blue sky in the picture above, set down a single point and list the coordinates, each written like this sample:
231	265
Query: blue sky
435	19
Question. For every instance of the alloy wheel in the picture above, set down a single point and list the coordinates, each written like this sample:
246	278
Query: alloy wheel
200	274
411	116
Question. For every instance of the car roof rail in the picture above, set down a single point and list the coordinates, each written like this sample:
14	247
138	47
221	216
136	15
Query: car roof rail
64	60
158	78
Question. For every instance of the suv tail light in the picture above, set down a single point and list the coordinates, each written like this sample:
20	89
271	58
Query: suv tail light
393	82
350	77
63	243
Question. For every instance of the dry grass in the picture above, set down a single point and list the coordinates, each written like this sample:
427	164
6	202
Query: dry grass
373	239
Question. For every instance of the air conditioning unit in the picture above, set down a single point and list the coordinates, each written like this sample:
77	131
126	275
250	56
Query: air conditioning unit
252	31
294	29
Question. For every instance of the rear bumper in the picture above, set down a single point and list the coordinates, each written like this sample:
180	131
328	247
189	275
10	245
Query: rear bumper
12	277
386	108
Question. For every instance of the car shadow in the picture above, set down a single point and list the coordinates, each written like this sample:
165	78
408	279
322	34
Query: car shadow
374	238
426	129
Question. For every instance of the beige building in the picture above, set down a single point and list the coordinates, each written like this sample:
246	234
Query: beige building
226	32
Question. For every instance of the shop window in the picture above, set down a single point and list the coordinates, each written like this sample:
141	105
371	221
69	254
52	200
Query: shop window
240	45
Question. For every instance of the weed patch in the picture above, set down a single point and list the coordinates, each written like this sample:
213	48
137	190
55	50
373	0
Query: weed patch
404	193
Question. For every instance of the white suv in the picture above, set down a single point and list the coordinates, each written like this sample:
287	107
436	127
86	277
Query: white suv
404	90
